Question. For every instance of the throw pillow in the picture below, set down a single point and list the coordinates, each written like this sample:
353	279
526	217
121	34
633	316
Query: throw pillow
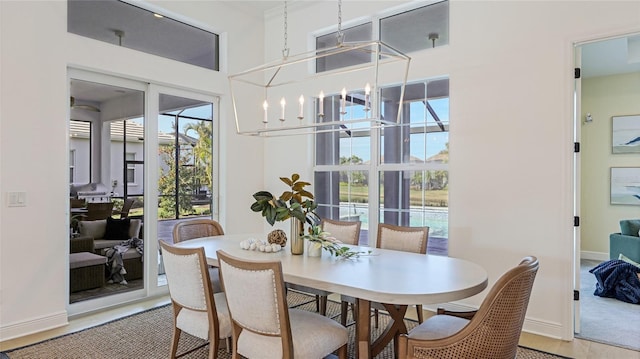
622	257
630	227
93	229
117	229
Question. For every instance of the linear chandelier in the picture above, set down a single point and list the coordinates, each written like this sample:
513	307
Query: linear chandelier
287	87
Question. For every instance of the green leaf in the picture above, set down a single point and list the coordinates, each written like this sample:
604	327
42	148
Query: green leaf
304	193
287	181
257	207
261	195
295	177
270	215
286	195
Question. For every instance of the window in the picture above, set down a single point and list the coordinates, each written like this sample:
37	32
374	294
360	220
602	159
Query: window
418	29
130	26
357	33
413	30
131	167
79	152
72	165
397	174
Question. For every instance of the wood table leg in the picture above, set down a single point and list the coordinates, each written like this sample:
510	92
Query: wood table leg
363	329
393	330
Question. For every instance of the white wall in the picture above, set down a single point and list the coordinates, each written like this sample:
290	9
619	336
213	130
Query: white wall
604	97
510	66
35	51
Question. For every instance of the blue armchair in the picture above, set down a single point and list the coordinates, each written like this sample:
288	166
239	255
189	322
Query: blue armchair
626	242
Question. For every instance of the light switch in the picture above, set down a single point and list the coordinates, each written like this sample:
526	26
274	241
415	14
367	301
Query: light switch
17	199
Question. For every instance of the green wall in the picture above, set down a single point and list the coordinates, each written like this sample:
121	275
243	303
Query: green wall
604	97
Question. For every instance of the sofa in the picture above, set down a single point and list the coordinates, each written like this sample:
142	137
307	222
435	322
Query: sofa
107	233
627	242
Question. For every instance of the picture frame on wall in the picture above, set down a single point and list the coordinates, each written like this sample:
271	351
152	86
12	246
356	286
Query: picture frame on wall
625	134
625	185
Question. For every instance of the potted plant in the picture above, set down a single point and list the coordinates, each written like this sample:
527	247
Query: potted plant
296	203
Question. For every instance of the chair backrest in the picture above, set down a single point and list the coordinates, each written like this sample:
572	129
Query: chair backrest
77	203
406	239
99	210
256	298
494	330
126	207
347	232
188	280
196	228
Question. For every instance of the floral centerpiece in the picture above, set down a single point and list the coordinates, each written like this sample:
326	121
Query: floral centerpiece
297	204
325	241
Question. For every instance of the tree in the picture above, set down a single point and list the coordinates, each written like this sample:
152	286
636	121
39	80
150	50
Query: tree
202	151
356	177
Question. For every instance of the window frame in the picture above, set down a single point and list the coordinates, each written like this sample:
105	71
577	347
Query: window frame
375	168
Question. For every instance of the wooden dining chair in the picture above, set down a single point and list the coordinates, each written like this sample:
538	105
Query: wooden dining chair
77	203
196	309
493	331
400	238
96	211
198	228
347	232
262	324
126	208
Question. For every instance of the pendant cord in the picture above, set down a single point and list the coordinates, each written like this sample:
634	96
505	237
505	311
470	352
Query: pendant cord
285	50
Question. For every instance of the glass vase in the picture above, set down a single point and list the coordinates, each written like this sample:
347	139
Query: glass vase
297	231
314	249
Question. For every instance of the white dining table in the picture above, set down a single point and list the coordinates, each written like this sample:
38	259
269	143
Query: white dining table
395	278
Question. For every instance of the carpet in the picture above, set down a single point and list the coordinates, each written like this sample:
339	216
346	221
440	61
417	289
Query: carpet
148	335
601	318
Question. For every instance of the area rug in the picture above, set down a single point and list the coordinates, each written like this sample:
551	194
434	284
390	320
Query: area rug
148	335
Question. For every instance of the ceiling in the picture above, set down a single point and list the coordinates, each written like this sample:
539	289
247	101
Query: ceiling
611	57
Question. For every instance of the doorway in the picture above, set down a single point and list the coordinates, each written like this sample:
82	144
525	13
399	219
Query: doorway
608	87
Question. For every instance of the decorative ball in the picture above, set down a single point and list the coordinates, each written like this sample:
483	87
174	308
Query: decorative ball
277	236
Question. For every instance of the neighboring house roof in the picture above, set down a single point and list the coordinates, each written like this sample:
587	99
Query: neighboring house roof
439	158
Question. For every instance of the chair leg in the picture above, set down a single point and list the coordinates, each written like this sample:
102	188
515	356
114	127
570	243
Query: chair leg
214	344
420	314
375	318
344	307
174	342
323	304
342	352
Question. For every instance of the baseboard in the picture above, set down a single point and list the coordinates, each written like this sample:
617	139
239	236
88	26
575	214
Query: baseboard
34	325
543	328
596	256
531	325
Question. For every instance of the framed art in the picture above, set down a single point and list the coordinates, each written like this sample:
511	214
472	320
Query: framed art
625	134
625	185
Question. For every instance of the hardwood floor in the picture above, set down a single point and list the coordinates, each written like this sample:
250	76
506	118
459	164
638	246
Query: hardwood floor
578	348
